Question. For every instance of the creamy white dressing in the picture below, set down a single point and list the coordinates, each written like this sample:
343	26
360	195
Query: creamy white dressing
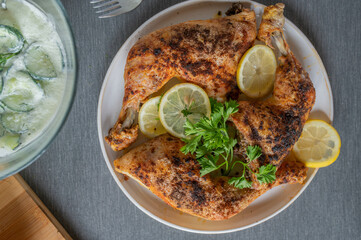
37	28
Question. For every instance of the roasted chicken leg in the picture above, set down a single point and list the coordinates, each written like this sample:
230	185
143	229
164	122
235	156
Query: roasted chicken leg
203	52
160	166
276	123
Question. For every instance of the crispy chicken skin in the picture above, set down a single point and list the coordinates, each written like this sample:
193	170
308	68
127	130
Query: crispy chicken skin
174	177
204	52
276	123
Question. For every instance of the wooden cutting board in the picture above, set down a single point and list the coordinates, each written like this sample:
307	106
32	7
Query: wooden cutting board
23	215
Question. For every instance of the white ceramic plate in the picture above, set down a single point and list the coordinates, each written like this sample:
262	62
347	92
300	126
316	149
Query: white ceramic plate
110	102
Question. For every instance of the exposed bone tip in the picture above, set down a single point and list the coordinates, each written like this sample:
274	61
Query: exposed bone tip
119	140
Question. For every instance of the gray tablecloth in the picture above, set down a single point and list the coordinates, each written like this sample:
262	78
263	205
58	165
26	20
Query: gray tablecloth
72	178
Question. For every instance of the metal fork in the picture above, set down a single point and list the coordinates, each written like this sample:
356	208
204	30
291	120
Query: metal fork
111	8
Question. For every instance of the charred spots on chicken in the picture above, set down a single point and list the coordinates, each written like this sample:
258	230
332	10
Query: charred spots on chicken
190	173
245	119
238	47
176	161
289	115
223	42
262	159
144	177
136	170
199	36
277	148
254	134
197	193
285	180
159	181
201	67
261	125
174	57
170	139
174	45
152	164
176	195
157	51
235	9
152	150
273	158
234	93
188	159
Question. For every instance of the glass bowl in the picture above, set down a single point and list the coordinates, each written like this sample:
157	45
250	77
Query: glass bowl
23	157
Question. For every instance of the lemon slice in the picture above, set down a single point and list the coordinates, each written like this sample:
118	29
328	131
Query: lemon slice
181	102
256	71
319	144
148	118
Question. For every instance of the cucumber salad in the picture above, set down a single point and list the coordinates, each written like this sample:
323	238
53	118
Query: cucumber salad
32	74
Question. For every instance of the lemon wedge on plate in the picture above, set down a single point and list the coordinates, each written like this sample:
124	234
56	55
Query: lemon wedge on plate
149	122
181	102
319	144
256	71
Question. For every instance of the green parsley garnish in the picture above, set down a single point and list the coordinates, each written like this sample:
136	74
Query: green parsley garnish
210	140
253	152
266	174
213	146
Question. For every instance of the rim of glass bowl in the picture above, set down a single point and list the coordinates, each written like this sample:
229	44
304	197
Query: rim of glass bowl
22	158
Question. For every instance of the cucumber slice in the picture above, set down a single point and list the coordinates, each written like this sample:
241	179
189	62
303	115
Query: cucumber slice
10	140
38	63
15	122
21	93
11	40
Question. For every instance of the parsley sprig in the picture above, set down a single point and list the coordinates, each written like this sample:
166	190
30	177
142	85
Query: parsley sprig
210	141
266	174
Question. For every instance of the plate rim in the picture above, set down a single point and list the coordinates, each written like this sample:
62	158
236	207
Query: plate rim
101	140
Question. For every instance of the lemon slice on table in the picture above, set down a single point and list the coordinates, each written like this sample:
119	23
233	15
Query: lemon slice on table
319	144
149	122
181	102
256	71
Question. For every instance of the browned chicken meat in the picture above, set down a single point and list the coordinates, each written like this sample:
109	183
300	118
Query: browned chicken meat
276	123
203	52
174	177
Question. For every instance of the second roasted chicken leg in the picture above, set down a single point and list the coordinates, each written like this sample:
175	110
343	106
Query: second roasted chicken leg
276	123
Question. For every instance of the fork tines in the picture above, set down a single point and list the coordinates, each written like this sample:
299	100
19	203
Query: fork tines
108	8
111	8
